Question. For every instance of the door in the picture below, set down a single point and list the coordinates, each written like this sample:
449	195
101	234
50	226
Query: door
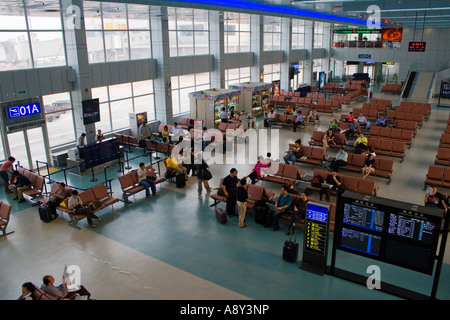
29	146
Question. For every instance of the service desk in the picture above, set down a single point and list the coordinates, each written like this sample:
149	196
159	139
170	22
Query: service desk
98	153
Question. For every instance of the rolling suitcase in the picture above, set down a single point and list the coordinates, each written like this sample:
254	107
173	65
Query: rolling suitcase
45	214
180	180
261	214
221	216
290	250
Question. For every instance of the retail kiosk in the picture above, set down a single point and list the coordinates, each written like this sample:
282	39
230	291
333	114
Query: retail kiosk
206	105
254	98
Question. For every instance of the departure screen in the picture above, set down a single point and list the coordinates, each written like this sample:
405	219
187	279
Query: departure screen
367	218
411	228
360	241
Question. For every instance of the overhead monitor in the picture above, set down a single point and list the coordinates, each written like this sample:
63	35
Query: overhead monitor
91	111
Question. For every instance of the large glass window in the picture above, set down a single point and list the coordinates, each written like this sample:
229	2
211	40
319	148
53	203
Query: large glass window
30	35
271	72
237	32
59	116
188	31
185	84
117	101
236	76
298	34
318	34
117	32
272	33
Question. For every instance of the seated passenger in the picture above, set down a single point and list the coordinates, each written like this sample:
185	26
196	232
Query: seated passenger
335	181
340	160
361	144
282	204
381	121
294	152
61	291
369	164
57	197
333	125
313	115
352	130
328	139
361	119
299	210
79	208
145	181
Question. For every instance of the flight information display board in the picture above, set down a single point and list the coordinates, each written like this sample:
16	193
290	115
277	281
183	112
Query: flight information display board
416	46
315	239
316	228
395	232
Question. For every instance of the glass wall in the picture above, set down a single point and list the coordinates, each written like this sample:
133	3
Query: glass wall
237	32
117	101
59	118
117	32
318	34
30	35
185	84
271	72
236	76
298	34
272	33
188	31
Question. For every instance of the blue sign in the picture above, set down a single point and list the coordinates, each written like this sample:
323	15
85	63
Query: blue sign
316	212
364	56
25	110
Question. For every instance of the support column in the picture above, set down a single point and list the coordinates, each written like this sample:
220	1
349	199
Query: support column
77	59
286	45
161	53
257	47
327	44
309	45
217	48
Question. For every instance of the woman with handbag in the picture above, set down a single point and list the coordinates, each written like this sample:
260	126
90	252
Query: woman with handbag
203	174
77	206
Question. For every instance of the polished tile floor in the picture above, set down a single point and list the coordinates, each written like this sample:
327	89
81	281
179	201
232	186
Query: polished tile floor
172	248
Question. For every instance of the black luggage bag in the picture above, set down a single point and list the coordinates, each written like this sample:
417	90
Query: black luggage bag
180	180
45	214
290	250
221	216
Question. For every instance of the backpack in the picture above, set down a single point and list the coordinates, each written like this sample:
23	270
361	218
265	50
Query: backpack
317	181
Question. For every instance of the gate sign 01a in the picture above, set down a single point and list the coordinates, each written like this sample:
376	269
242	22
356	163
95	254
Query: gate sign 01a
24	110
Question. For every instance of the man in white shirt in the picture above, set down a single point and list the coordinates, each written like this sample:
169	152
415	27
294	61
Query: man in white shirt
143	173
223	115
361	119
174	128
271	118
80	141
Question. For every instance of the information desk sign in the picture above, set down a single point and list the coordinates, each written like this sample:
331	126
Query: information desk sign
315	240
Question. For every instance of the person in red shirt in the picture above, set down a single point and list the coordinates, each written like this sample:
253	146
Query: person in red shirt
6	167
